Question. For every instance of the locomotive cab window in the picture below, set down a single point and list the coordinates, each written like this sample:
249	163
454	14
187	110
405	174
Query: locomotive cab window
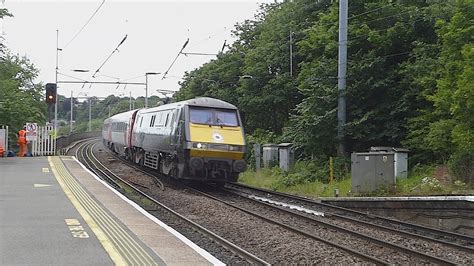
210	116
226	118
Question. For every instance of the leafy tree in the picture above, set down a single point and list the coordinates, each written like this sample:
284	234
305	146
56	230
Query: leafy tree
380	95
3	13
21	100
445	125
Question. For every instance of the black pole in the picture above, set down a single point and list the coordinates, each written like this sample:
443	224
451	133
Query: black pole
49	113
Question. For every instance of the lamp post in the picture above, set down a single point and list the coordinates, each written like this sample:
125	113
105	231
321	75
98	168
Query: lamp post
90	114
56	96
70	123
146	86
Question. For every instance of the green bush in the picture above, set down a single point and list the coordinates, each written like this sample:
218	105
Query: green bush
311	171
461	165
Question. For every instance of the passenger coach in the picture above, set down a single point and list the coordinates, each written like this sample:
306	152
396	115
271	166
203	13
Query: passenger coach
198	139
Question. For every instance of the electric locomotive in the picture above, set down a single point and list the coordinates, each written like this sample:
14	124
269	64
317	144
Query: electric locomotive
198	139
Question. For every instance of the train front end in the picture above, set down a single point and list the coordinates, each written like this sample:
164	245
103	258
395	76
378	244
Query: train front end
216	143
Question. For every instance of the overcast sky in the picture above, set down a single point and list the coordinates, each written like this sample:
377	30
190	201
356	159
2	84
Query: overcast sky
156	32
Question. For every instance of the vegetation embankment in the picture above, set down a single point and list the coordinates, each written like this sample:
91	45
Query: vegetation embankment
420	182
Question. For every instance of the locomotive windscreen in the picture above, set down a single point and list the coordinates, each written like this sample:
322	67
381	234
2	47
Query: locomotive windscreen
211	116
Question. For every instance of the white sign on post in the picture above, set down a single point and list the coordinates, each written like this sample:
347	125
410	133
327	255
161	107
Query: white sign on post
31	131
3	138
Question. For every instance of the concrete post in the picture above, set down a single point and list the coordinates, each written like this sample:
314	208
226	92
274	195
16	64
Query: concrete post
341	75
286	156
258	155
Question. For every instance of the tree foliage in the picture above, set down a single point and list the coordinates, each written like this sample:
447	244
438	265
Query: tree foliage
409	78
21	100
409	81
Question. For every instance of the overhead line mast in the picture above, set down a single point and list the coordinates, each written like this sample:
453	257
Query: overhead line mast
341	76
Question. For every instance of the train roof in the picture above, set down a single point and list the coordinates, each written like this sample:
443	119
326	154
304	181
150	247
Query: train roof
121	117
199	101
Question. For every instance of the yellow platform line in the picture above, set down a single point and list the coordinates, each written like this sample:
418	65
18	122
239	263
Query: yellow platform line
130	249
123	249
119	236
116	232
102	220
103	239
124	241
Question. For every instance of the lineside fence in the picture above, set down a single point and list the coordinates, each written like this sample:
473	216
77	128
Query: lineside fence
44	144
3	140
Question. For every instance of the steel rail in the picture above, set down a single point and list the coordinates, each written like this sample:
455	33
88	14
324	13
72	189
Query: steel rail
295	230
146	172
73	144
411	226
218	239
397	231
357	234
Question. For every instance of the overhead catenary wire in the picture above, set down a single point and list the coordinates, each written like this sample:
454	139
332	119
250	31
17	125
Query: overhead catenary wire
69	76
370	11
385	29
335	22
176	58
107	59
135	77
188	53
87	22
215	33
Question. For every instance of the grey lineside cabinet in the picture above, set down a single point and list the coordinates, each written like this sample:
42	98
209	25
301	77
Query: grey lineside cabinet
372	171
270	155
401	159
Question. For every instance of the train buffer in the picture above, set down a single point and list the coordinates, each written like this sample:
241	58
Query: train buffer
53	211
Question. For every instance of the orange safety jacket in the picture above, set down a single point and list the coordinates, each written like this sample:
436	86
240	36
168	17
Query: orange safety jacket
22	136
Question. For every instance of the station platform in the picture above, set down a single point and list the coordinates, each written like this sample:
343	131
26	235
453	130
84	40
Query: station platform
54	211
452	213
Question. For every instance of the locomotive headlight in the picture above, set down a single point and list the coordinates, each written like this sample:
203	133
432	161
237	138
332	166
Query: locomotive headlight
235	148
200	145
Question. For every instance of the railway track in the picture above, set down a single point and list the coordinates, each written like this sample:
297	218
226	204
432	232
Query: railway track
374	250
455	240
177	187
85	154
380	250
437	243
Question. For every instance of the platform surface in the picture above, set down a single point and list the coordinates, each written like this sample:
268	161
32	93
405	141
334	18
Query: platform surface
54	211
35	216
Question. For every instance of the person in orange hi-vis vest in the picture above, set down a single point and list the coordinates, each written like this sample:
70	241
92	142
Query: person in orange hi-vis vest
22	143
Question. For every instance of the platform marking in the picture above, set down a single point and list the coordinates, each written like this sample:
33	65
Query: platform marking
168	228
45	170
41	185
131	251
125	245
101	236
76	228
